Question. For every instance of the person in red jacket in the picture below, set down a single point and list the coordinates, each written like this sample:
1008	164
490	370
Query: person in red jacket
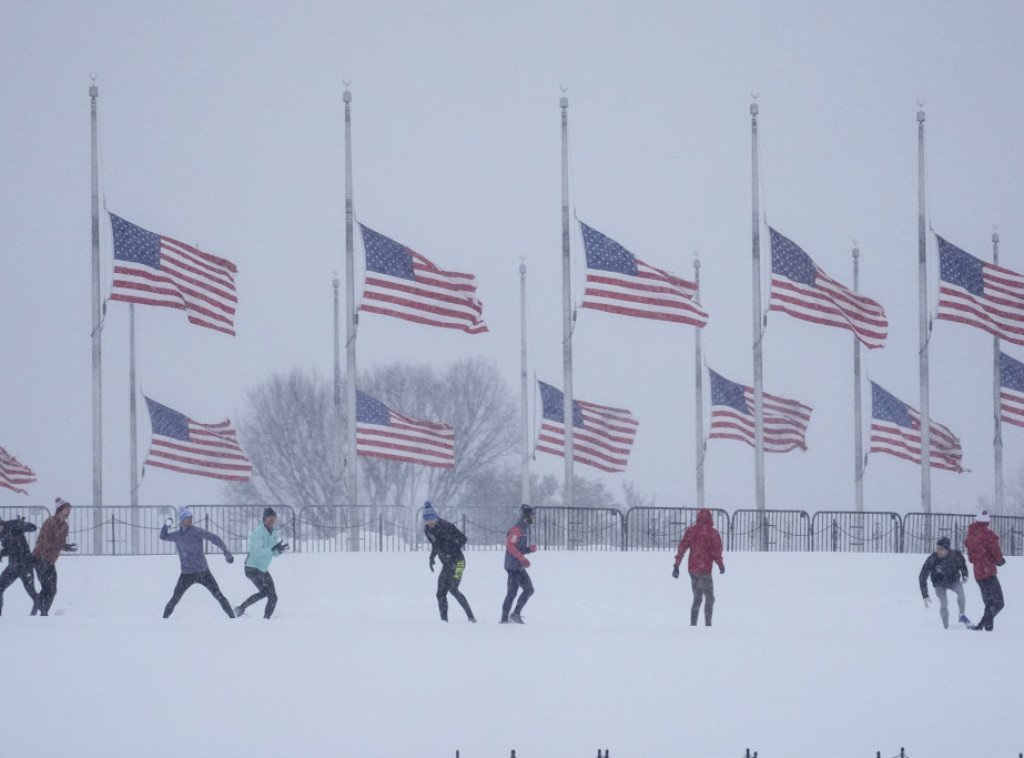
983	551
705	546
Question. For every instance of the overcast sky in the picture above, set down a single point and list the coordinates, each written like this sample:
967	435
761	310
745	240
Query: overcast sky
221	124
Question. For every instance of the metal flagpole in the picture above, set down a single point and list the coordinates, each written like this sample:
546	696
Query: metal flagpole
133	418
858	418
567	415
758	328
698	392
97	358
524	397
997	399
350	309
923	329
336	283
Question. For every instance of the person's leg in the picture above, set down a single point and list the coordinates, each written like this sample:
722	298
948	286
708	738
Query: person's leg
271	592
28	580
444	580
512	587
996	593
961	600
184	582
709	597
985	585
456	580
940	593
206	579
7	578
527	593
48	586
254	575
698	596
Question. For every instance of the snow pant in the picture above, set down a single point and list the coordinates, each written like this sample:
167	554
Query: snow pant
265	584
992	597
940	593
517	578
13	573
448	581
205	578
47	573
703	589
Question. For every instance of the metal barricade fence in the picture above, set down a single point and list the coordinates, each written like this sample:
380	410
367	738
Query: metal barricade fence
653	528
578	528
354	528
35	514
921	530
857	532
770	531
1011	533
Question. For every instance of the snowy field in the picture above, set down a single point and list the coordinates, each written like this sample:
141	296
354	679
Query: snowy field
816	656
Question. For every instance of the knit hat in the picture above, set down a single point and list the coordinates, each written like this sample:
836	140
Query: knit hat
60	503
944	542
184	512
268	512
525	511
982	517
429	514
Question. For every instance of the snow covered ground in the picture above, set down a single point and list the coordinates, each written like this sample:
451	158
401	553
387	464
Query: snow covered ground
811	655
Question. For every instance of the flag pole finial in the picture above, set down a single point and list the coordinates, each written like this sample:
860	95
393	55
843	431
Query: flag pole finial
995	233
753	105
920	109
347	95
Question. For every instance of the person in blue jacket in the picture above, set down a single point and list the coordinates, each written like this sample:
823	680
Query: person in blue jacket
194	569
517	545
264	546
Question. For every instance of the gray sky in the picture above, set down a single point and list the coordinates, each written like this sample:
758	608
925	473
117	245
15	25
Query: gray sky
221	124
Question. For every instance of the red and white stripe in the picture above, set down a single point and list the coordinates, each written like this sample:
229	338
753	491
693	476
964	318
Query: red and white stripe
409	440
1000	312
1011	406
785	423
652	293
14	473
944	447
604	441
212	450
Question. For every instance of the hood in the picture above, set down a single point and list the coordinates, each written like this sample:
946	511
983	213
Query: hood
976	527
704	517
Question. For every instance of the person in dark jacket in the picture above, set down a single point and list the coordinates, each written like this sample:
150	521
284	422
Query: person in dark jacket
446	542
517	546
948	571
984	553
705	546
265	544
52	540
14	547
194	569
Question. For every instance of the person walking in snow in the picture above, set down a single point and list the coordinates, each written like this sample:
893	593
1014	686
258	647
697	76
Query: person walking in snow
52	540
705	546
446	542
264	545
948	571
194	569
14	547
983	552
517	545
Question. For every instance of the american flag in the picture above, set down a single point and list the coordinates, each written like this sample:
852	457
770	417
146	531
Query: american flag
896	430
980	294
1011	390
619	282
13	473
801	289
732	417
188	447
601	436
384	433
150	269
402	283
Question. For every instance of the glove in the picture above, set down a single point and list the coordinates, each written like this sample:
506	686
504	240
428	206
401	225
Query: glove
431	565
927	602
169	521
675	572
526	563
71	547
1001	562
229	557
721	569
533	549
280	547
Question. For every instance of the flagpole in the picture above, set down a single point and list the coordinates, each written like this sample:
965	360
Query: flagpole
757	322
922	286
567	406
997	400
352	462
524	388
97	358
858	432
698	391
133	418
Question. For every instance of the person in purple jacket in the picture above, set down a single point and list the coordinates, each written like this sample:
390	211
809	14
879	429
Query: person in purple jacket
194	569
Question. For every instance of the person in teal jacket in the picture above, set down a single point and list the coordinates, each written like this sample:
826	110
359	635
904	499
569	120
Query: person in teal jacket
264	545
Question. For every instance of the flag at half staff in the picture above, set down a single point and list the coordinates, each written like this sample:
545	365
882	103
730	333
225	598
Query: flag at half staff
732	417
602	437
1011	390
14	473
188	447
402	283
619	282
980	294
384	433
150	269
801	289
896	430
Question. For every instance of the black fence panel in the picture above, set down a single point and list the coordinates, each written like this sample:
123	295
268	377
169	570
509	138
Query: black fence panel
557	527
921	530
355	528
857	532
35	514
766	530
1011	533
662	528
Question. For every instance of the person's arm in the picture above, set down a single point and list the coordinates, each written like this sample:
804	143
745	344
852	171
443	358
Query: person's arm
684	545
922	578
214	539
716	550
962	566
165	534
997	552
510	545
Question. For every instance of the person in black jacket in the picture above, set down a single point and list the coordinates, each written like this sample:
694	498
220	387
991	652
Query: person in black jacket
19	557
948	571
446	543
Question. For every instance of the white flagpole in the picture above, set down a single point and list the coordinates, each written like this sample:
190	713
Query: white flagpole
758	328
566	308
858	418
97	358
352	466
997	400
524	388
698	392
923	327
132	415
